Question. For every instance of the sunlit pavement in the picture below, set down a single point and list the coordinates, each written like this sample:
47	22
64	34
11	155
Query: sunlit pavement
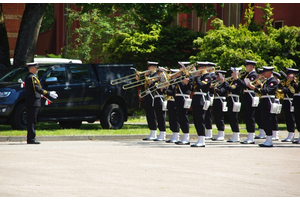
136	168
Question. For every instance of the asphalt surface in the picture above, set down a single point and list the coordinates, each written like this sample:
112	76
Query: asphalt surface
130	167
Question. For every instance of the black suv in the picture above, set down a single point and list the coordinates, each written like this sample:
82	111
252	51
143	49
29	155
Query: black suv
84	94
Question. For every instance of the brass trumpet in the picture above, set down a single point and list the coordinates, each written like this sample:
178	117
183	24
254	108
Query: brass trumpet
131	77
228	79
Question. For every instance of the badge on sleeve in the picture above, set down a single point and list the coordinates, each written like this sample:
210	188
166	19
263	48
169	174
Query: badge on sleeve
271	84
252	78
206	79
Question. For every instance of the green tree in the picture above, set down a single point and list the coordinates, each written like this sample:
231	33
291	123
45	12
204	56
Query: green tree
28	33
167	45
94	30
153	13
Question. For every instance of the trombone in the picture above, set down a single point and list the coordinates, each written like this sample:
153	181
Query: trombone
138	83
130	77
163	78
184	75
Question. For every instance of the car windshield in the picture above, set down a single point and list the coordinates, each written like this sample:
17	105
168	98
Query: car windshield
21	73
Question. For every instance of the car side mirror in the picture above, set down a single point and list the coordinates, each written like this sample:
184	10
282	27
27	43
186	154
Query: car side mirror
51	80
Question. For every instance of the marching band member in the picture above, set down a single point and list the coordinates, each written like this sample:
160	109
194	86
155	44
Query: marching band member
258	120
268	92
289	114
218	106
234	89
182	91
202	82
296	104
208	117
149	104
247	96
173	118
275	125
160	114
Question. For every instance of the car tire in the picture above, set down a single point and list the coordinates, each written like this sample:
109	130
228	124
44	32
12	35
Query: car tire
112	117
18	120
70	124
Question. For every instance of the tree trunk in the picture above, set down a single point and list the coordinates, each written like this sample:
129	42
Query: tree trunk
4	46
28	33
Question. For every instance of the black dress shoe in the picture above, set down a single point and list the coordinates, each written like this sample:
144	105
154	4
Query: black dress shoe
217	139
197	145
258	137
233	141
182	143
149	139
158	139
263	145
248	142
33	142
171	141
286	140
296	142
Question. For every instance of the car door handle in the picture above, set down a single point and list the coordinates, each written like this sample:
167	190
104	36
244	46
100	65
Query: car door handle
92	86
67	88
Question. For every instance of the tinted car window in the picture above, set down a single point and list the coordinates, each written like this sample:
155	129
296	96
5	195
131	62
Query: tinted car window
80	74
60	74
21	73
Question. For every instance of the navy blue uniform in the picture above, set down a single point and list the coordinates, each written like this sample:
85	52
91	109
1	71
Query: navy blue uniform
249	111
33	102
220	97
268	89
234	89
182	112
201	84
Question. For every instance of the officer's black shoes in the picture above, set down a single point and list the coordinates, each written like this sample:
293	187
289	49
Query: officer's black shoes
33	142
264	145
287	140
182	143
296	142
248	142
197	145
171	141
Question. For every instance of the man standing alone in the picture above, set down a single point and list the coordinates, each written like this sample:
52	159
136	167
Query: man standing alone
33	100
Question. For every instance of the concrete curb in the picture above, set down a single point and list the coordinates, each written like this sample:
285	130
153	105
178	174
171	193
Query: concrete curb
282	134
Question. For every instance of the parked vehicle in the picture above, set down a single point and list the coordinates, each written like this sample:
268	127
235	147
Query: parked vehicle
84	94
52	60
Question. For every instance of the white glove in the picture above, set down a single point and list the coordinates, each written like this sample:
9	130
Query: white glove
53	94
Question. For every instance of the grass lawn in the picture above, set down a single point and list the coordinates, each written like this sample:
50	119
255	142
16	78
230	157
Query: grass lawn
134	126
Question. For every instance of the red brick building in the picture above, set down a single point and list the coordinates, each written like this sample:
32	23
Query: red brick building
13	13
232	14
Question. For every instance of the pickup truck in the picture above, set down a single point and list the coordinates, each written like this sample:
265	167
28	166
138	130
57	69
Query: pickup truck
84	94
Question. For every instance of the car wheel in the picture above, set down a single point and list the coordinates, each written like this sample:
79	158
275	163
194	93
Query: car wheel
112	117
70	124
18	120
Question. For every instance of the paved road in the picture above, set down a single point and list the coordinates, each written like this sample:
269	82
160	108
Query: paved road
136	168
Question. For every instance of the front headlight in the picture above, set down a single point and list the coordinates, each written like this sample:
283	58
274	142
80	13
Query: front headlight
4	94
